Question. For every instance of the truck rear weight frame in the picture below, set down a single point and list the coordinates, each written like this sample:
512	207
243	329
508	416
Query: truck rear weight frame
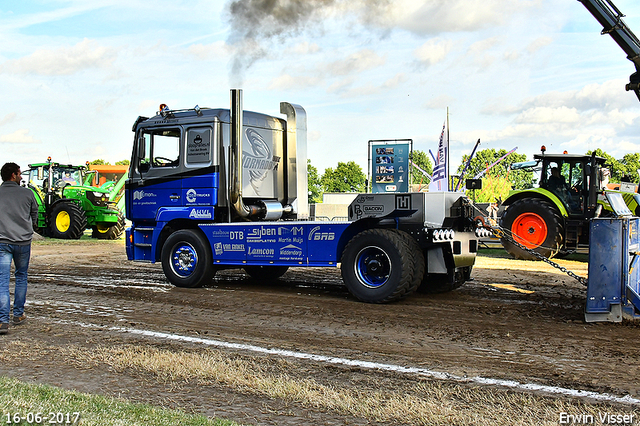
210	189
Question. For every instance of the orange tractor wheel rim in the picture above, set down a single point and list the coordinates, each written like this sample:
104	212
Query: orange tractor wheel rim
530	230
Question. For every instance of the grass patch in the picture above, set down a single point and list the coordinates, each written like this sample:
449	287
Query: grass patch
419	402
23	398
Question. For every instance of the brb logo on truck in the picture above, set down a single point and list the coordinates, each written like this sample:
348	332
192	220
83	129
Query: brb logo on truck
259	161
314	235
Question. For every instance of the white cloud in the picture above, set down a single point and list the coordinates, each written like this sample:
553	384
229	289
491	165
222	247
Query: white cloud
433	51
19	136
483	45
8	118
440	102
395	81
436	16
304	48
357	62
545	115
63	60
538	44
207	51
287	81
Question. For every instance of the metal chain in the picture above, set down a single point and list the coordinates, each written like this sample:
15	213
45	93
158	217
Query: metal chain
499	232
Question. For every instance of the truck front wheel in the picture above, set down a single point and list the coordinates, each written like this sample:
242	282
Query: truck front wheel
534	223
382	265
186	259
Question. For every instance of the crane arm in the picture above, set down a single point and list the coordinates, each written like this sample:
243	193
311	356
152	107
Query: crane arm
610	18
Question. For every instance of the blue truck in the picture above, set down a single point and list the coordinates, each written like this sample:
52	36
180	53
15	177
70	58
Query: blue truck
211	189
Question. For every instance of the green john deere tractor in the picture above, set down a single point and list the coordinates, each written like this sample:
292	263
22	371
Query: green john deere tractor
553	219
67	204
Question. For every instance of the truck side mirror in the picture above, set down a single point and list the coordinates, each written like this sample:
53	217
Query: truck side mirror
40	173
141	151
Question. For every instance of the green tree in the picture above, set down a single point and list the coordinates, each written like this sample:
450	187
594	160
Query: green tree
347	177
518	179
616	168
421	159
631	163
315	187
99	162
122	163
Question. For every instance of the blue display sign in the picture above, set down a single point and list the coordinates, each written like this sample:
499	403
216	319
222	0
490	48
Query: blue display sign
389	165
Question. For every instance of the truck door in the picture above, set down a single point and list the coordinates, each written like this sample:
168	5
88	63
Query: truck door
155	178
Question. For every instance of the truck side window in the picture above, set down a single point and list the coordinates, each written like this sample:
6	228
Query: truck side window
166	148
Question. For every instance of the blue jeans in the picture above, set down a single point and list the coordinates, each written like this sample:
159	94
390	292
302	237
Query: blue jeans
20	255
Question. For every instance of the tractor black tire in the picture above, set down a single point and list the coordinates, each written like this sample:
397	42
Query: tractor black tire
266	273
535	223
187	260
67	221
382	265
113	232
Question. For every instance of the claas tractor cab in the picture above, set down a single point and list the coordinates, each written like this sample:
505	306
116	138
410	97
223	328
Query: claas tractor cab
552	219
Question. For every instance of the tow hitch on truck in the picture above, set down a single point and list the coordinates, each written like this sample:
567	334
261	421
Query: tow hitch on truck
210	189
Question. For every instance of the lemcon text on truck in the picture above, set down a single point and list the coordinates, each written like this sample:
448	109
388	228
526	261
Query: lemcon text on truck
211	189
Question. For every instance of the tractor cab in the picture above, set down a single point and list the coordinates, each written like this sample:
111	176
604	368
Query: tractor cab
569	178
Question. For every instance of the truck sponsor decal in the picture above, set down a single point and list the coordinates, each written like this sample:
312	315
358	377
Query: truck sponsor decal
139	195
291	235
192	196
258	161
261	235
261	252
373	209
200	214
291	251
321	236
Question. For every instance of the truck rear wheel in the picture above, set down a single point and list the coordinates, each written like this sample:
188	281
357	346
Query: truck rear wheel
186	259
534	223
67	221
266	272
382	265
106	232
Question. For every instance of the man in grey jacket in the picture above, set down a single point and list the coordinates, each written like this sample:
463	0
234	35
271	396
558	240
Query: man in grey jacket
17	221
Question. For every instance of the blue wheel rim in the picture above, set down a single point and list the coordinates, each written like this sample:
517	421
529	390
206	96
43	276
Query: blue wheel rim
372	267
184	259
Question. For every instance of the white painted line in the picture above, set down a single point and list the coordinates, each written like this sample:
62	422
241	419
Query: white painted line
512	384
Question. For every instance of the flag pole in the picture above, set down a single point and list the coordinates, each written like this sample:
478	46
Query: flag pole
447	154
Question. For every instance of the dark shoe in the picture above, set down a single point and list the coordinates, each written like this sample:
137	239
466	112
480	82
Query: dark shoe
19	320
4	328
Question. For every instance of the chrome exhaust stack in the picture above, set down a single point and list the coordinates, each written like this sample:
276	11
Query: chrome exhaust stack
235	159
296	140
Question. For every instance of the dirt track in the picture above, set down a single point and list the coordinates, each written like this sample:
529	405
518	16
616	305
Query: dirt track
532	331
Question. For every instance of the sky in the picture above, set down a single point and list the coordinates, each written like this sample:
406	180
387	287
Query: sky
75	75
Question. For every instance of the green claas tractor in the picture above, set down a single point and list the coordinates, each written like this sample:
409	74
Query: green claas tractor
553	218
67	204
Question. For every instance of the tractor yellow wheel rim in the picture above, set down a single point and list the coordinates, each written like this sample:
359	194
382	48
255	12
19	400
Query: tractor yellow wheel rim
63	221
103	229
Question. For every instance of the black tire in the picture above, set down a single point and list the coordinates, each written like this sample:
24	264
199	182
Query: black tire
67	221
443	283
382	265
186	259
535	223
266	273
103	232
